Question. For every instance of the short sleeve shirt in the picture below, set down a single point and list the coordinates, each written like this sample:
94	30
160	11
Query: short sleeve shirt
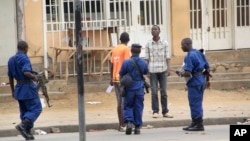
17	65
120	53
195	62
157	53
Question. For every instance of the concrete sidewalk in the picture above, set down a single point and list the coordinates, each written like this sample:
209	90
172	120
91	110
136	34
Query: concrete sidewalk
220	107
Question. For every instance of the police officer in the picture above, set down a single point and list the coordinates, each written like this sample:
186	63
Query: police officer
134	98
194	65
25	91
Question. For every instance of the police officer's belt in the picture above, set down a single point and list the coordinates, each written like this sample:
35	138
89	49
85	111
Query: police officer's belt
197	73
23	81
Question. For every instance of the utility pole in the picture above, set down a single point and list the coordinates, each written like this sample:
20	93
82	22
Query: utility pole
80	64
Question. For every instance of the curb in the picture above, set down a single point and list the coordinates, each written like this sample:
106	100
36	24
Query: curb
147	124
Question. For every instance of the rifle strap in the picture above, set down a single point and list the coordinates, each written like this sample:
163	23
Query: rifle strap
137	69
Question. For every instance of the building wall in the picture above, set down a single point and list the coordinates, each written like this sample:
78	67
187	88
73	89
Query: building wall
180	24
33	27
8	33
33	19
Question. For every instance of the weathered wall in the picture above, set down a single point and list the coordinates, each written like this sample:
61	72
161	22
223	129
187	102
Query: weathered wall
180	24
33	22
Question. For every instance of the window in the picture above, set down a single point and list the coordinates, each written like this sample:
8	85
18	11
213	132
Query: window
151	12
63	11
219	13
121	10
243	13
195	14
52	10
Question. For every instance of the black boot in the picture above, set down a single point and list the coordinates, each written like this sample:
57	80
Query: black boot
22	128
30	135
137	130
191	125
129	128
198	126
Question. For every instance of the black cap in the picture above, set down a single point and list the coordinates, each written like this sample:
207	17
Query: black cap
136	46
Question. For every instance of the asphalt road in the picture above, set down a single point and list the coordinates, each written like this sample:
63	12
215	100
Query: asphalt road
211	133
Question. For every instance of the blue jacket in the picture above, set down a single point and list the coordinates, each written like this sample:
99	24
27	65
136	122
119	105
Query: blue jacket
128	66
195	62
17	65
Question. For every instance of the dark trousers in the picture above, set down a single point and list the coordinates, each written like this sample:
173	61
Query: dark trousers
30	109
160	78
195	98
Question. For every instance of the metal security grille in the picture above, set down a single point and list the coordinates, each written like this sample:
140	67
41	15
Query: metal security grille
195	19
102	23
219	18
211	24
242	27
195	14
219	11
243	13
151	12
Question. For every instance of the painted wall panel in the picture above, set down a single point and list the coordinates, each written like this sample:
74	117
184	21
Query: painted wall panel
8	37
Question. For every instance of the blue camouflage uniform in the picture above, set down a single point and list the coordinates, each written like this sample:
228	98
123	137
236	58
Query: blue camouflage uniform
133	101
26	92
195	62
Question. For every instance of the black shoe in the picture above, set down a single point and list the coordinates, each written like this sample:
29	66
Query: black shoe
137	130
197	127
129	128
30	135
190	126
21	129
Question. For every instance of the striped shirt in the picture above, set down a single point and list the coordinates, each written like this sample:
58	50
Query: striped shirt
157	53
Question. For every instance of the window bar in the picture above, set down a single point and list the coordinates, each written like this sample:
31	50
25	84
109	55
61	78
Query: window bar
150	13
125	11
220	19
225	17
215	18
68	14
192	12
129	11
248	12
73	19
85	27
160	11
56	24
239	14
119	9
101	23
154	12
197	19
51	17
192	18
200	21
115	12
94	27
245	11
56	15
95	4
145	14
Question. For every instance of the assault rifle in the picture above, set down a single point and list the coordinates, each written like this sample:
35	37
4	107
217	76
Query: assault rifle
42	86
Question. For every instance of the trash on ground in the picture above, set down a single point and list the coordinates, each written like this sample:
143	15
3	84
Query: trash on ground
94	102
245	121
40	132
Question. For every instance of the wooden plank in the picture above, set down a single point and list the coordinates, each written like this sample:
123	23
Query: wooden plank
105	53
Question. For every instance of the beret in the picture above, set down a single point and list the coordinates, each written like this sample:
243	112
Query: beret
136	46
